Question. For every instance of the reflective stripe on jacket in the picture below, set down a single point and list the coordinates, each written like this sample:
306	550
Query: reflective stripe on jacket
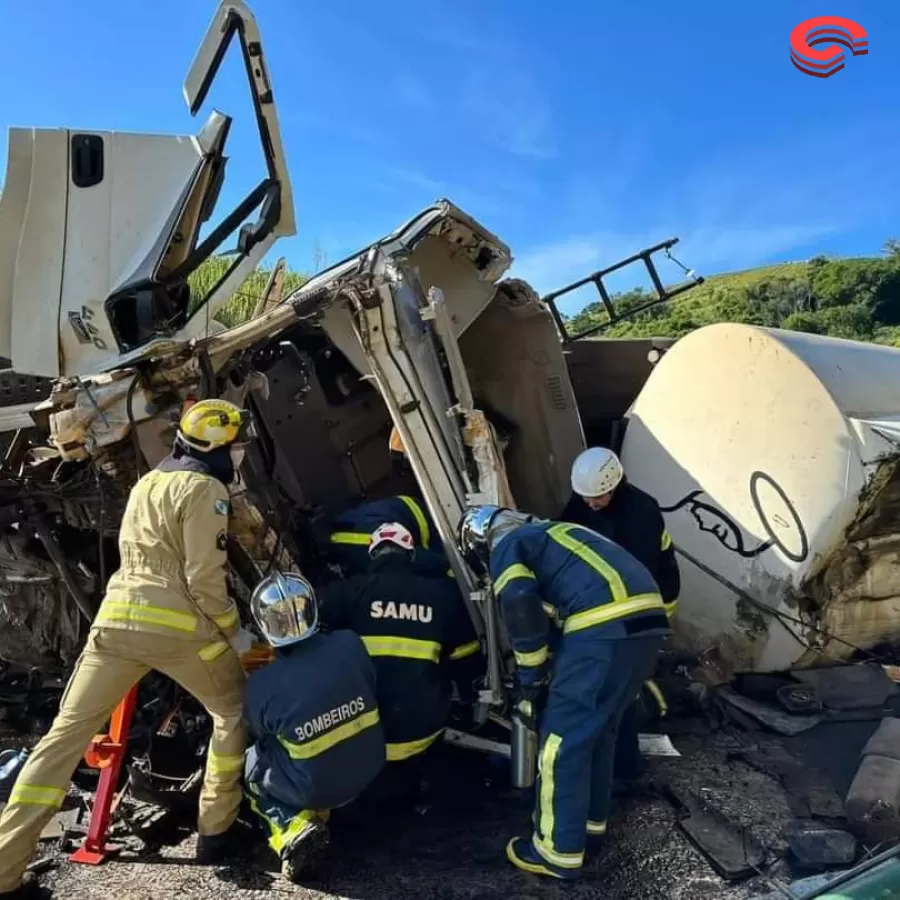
313	718
565	574
171	578
420	637
356	525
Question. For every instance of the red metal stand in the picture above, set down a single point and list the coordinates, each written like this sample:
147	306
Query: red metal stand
107	753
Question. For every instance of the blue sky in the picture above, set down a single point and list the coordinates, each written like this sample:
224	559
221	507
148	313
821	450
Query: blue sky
578	132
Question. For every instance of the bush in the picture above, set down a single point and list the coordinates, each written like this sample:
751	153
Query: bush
848	298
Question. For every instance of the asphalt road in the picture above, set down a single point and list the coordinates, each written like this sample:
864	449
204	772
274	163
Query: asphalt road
452	848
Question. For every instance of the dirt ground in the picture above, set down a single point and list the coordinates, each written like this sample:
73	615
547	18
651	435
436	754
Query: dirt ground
452	848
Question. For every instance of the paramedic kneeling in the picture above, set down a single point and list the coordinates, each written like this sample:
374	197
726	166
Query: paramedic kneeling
422	642
312	717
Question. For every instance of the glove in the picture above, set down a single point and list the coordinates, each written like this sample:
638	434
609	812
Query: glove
242	641
528	700
531	690
258	656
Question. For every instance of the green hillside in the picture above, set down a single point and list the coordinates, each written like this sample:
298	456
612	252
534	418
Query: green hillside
241	305
849	298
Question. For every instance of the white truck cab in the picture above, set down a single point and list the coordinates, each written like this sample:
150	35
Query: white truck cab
99	231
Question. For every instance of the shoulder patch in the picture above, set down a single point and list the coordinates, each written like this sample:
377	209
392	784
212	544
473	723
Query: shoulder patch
222	507
222	540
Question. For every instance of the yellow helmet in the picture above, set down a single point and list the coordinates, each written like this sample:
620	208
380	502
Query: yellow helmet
210	424
395	443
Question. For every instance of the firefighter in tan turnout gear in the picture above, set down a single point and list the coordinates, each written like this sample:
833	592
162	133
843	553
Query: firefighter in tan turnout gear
166	608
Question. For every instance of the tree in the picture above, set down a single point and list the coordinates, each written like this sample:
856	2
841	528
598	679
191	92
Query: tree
848	298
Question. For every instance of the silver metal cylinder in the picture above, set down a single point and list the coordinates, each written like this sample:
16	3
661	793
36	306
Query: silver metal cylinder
523	753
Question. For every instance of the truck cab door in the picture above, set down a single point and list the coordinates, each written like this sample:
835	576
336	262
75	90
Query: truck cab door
101	231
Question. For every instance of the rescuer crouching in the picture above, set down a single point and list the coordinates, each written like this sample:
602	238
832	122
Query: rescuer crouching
313	720
421	639
351	531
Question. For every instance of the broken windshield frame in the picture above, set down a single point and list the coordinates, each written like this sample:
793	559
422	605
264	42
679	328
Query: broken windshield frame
168	294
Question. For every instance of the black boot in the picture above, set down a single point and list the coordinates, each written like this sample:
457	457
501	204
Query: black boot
215	849
29	889
306	852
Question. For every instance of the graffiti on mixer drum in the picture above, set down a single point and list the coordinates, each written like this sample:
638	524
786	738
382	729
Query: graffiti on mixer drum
776	513
718	523
779	517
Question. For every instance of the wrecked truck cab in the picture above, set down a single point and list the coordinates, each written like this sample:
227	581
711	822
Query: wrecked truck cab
419	331
99	231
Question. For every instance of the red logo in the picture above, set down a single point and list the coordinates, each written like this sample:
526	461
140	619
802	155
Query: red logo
829	30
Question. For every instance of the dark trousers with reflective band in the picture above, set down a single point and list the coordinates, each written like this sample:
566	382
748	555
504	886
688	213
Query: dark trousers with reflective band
285	823
629	762
593	682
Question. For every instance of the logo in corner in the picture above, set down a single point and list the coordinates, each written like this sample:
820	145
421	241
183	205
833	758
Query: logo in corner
829	30
222	507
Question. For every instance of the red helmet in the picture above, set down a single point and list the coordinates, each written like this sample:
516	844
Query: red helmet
394	533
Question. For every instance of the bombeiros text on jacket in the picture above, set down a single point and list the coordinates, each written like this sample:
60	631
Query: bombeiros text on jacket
326	720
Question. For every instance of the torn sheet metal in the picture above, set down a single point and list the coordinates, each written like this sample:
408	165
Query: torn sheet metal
656	745
769	716
730	847
474	742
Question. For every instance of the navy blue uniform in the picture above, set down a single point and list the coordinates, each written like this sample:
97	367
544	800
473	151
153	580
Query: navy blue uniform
419	634
351	530
317	738
633	521
560	583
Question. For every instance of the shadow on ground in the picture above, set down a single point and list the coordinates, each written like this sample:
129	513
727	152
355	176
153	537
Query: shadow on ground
452	846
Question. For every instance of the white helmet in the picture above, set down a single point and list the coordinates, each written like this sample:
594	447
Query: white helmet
392	533
595	472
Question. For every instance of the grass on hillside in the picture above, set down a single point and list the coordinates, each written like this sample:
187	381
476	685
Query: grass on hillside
856	298
849	298
240	307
